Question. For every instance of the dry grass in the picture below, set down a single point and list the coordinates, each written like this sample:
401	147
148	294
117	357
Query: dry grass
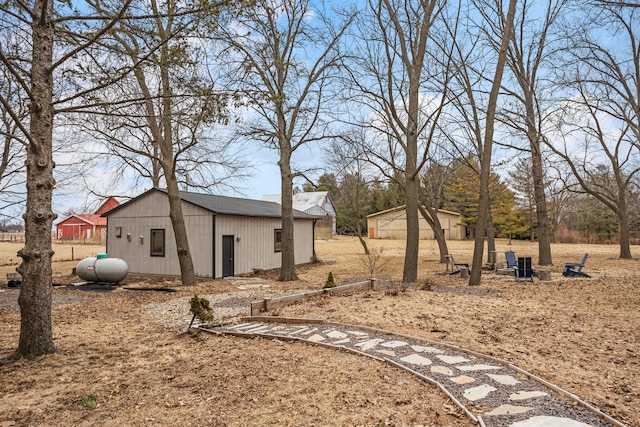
581	334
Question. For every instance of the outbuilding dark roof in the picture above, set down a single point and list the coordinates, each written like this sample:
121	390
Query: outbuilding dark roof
227	205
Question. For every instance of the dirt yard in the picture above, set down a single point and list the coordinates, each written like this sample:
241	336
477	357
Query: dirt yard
118	366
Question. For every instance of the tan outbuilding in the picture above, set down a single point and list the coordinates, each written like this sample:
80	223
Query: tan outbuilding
392	224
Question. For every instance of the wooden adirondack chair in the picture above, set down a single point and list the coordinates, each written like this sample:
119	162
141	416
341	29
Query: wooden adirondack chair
456	265
575	268
510	257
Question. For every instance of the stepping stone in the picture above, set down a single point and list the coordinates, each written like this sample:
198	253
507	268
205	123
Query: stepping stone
478	367
452	360
387	352
442	370
422	349
344	341
263	328
547	421
393	344
366	345
524	395
416	359
241	325
503	379
310	331
298	331
479	392
337	334
462	379
358	333
316	338
509	410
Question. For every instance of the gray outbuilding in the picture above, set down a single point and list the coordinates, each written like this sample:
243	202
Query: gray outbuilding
227	236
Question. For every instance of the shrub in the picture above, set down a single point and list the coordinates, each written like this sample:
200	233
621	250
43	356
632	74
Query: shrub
201	309
330	283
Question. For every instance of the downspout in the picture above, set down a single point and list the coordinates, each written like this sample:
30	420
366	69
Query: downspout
213	246
313	240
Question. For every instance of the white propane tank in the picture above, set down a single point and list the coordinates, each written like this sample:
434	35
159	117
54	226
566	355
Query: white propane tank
102	269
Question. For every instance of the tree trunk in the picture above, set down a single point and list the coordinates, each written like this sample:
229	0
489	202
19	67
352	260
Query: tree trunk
288	262
187	270
485	163
623	220
542	216
431	216
410	272
36	337
491	240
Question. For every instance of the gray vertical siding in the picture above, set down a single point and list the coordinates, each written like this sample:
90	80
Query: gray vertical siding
150	212
254	250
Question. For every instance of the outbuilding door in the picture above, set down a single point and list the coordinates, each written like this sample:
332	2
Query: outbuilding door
227	256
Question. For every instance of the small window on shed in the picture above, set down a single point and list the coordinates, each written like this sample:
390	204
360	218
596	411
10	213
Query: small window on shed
157	242
277	235
118	232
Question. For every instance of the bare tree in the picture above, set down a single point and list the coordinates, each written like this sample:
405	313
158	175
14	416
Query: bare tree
350	167
283	57
12	153
155	120
55	43
600	124
531	48
390	73
484	202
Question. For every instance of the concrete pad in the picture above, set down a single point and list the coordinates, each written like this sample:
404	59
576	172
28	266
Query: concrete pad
442	370
387	352
393	344
524	395
509	410
452	360
316	338
547	421
344	341
423	349
416	359
479	392
358	333
337	335
503	379
366	345
478	367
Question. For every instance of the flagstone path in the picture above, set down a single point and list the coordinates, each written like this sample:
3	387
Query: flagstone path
492	392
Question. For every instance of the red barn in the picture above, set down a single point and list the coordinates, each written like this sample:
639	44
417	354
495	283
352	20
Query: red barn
86	226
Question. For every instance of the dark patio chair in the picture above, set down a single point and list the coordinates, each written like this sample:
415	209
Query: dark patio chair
575	268
524	270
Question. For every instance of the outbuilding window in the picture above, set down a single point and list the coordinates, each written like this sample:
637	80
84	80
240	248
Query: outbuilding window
277	237
157	242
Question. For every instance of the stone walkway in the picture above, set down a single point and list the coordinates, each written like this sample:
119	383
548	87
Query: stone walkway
491	392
